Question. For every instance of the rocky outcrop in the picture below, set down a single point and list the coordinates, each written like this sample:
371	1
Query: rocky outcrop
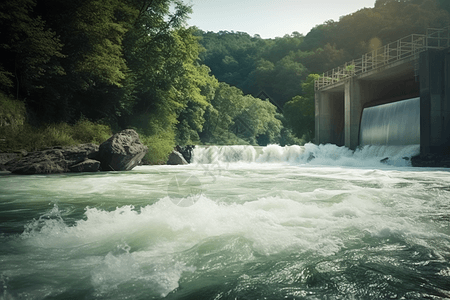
5	157
42	162
79	153
176	158
121	152
55	160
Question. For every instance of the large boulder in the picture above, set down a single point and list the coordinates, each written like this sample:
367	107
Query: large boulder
88	165
55	160
121	152
176	158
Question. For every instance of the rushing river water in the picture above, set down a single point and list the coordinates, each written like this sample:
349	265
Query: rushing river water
238	223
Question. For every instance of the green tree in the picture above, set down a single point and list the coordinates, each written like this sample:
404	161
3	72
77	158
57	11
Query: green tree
155	52
191	120
318	36
280	47
237	118
299	111
27	49
257	122
289	73
326	58
90	35
225	106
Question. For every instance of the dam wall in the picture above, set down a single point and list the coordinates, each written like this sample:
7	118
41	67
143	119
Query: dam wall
339	107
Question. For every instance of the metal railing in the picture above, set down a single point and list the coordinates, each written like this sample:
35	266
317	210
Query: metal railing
408	47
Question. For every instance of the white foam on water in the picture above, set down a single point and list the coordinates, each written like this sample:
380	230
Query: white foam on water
366	156
122	269
141	243
264	203
214	154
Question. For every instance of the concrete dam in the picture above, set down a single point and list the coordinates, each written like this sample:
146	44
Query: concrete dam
398	94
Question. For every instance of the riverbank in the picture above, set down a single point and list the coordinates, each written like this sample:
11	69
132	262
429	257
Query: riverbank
121	152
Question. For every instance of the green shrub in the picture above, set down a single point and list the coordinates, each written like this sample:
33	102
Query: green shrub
12	112
23	137
85	131
159	147
57	135
16	134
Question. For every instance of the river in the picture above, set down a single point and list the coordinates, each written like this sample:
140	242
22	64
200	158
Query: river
312	222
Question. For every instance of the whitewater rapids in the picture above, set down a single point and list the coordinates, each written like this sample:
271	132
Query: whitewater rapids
240	222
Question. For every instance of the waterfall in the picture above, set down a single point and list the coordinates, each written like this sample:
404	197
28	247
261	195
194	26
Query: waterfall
368	155
396	123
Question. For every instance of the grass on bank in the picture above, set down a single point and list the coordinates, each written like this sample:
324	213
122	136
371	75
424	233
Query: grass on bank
16	134
31	138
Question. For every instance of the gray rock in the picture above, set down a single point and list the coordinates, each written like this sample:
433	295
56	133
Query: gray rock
88	165
121	152
5	157
310	157
41	162
176	158
55	160
186	151
384	160
76	154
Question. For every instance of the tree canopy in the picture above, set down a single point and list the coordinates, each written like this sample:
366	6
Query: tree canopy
134	63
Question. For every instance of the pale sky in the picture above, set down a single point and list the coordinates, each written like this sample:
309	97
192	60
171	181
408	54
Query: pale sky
269	18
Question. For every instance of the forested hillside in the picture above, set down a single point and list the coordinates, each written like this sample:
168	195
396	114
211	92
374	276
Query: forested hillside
279	65
135	64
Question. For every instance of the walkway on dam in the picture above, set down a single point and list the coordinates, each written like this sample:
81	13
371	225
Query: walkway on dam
402	51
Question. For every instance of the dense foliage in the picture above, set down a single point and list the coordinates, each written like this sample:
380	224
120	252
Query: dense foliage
125	63
133	64
279	66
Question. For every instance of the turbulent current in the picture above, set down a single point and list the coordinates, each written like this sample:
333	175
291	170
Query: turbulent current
311	222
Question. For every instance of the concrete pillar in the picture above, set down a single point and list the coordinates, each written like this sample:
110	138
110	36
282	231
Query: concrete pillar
322	118
329	113
357	94
434	101
353	108
446	105
317	100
